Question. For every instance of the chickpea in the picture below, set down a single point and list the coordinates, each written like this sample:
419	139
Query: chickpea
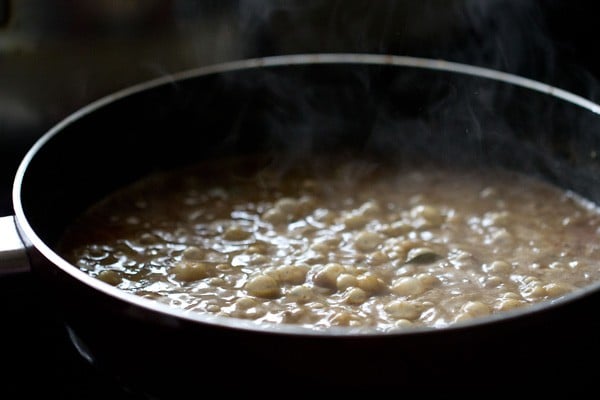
370	283
327	277
190	271
287	205
111	277
244	303
193	253
428	280
408	286
355	296
509	304
294	274
377	258
236	233
262	286
301	294
367	241
344	281
274	216
475	309
557	289
498	267
431	215
401	309
402	323
370	209
396	228
355	221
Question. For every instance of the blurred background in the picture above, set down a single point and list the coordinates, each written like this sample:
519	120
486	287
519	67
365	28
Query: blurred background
57	56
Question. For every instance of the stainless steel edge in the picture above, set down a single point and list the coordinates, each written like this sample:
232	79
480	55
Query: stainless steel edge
13	257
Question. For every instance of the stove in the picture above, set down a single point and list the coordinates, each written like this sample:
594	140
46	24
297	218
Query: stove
49	70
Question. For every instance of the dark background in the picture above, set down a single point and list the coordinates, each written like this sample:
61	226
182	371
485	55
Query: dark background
58	56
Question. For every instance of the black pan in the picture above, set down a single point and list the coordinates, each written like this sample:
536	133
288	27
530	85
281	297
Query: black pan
397	109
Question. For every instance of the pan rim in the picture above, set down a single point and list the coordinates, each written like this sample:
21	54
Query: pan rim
281	61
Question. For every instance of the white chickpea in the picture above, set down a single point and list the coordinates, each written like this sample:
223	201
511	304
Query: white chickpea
236	233
396	228
370	283
190	271
344	281
534	290
557	289
306	204
321	247
262	286
511	295
244	303
370	209
401	309
343	318
288	205
403	323
501	237
428	280
432	215
274	216
377	258
408	286
294	274
217	282
111	277
327	276
475	309
355	296
258	248
300	294
367	241
498	267
193	253
509	304
355	221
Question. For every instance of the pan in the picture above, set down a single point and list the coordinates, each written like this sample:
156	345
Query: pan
294	107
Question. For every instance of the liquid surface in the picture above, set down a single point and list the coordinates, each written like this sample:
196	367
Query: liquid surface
350	244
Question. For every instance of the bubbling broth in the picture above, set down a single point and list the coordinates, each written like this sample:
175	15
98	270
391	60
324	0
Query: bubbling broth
340	243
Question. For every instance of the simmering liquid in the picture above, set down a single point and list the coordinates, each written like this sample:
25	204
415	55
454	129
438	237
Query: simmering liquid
344	244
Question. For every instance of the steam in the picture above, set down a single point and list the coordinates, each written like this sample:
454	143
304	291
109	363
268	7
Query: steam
461	119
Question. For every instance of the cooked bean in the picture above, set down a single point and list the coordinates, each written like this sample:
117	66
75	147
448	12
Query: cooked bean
236	233
370	283
327	276
294	274
408	286
355	221
367	241
401	309
301	294
344	281
262	286
475	309
111	277
557	289
193	253
274	216
356	296
190	271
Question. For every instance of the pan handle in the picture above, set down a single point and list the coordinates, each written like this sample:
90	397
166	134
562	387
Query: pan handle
13	257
